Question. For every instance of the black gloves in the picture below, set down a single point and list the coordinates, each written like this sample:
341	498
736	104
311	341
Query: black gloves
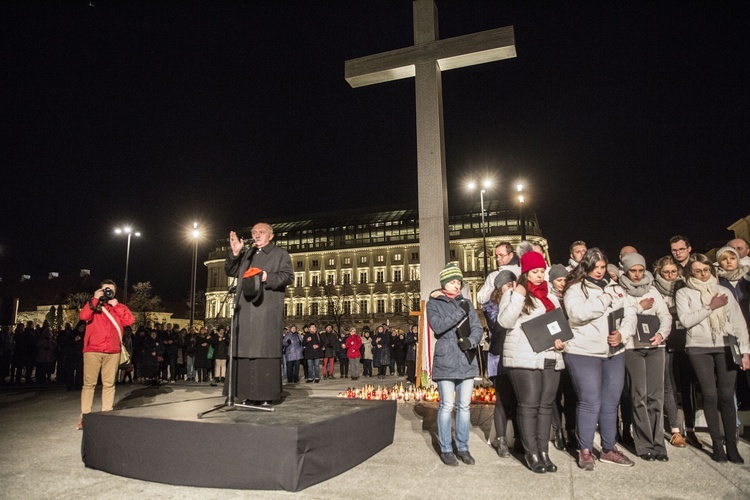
464	304
464	343
463	332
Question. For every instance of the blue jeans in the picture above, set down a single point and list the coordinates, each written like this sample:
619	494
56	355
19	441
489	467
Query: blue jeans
598	383
460	400
190	366
313	369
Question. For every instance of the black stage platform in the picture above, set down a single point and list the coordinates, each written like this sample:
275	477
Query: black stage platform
303	442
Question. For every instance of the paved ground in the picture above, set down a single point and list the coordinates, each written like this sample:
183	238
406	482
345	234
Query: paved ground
40	458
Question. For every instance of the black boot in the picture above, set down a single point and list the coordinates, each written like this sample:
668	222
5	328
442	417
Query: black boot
502	447
733	453
559	440
548	465
718	454
535	463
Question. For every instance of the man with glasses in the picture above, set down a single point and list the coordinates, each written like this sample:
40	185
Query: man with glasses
506	259
681	249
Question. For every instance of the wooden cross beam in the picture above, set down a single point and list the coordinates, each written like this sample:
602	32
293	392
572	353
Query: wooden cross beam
425	61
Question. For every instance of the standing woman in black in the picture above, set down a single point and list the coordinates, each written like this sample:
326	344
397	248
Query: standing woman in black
644	362
535	375
712	317
667	280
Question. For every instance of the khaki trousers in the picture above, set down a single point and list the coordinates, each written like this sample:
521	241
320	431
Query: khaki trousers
93	364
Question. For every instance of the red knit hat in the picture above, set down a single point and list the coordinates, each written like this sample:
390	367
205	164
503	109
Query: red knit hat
532	260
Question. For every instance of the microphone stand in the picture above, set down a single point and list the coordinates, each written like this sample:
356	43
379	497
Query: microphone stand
229	404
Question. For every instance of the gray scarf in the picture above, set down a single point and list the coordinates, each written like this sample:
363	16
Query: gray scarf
666	288
636	289
733	275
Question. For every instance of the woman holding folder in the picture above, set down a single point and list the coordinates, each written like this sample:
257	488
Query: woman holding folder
535	375
458	331
644	357
602	321
714	323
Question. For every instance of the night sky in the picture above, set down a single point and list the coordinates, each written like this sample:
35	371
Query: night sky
627	122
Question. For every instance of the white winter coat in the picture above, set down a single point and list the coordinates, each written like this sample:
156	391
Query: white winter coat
694	316
588	307
517	352
659	309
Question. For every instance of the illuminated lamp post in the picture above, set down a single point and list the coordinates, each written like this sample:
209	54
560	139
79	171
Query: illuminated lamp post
129	231
521	221
196	234
486	183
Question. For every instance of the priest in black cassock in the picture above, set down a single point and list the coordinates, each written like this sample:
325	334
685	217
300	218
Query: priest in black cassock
263	272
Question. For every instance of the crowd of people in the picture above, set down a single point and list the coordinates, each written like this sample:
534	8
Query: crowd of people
643	341
159	353
640	341
165	353
390	352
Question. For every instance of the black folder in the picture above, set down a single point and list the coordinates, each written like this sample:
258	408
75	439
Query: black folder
614	319
543	330
734	348
464	331
647	327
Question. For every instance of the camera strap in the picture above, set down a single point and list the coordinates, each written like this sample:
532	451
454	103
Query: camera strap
117	325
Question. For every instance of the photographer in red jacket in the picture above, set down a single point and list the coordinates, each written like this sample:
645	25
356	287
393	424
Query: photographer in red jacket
105	320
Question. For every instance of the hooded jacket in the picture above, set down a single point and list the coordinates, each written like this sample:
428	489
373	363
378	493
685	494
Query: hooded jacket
101	334
444	315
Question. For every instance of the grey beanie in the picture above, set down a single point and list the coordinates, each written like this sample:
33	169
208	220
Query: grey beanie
632	259
557	271
504	277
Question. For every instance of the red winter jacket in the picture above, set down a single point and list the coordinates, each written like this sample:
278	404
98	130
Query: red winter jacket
101	334
353	343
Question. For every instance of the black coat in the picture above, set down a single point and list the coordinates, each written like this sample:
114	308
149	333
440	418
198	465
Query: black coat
381	355
221	347
309	341
260	322
201	352
331	340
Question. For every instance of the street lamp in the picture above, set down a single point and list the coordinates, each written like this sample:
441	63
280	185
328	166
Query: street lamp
196	234
521	221
486	183
129	231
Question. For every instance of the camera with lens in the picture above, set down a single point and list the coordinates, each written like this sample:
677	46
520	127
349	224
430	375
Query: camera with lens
107	295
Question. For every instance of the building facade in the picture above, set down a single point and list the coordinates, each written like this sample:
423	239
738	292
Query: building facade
361	267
